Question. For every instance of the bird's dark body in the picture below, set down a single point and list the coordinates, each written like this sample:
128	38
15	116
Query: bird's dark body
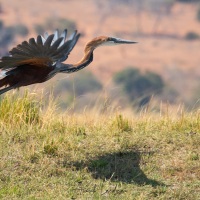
25	75
38	60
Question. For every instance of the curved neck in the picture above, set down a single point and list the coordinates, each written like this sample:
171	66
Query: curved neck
88	56
85	61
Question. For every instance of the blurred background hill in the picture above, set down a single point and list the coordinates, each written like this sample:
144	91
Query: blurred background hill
162	67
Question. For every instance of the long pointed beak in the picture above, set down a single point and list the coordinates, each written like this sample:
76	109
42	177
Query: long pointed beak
122	41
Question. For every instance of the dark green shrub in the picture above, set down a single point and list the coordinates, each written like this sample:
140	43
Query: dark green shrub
198	14
192	36
82	83
7	36
1	24
39	29
52	24
189	1
139	87
126	75
60	23
21	30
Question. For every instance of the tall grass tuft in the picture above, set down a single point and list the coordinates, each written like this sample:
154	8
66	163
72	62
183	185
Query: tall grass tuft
15	109
122	123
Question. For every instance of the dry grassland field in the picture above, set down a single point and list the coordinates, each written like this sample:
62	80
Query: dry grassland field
49	155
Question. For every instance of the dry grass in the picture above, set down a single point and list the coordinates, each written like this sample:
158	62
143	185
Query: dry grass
48	155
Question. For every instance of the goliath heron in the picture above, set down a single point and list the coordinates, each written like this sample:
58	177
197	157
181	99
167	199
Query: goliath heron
40	59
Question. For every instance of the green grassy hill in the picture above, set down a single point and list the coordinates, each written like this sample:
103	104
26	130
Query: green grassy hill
50	155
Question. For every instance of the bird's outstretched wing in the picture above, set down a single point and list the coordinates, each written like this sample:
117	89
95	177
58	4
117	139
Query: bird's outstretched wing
43	51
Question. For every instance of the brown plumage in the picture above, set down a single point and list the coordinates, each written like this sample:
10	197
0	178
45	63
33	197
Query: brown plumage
40	59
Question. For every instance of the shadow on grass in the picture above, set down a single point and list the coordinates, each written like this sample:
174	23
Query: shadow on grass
119	166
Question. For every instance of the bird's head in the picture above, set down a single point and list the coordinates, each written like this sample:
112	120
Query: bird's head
107	41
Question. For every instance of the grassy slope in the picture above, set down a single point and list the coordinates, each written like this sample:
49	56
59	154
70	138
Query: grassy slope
46	155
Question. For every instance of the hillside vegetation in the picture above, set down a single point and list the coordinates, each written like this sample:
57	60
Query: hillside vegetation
50	155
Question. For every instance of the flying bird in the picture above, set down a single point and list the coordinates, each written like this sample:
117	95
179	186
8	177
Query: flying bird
38	60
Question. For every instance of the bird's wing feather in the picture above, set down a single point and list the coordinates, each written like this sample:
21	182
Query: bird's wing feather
64	50
43	51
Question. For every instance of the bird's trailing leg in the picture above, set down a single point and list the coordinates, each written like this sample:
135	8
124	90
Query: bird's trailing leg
6	89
